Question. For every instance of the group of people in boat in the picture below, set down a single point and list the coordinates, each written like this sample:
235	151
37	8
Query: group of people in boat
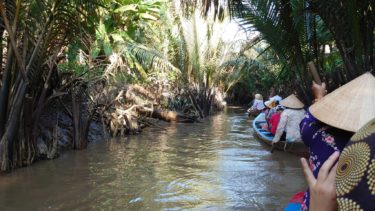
282	116
337	126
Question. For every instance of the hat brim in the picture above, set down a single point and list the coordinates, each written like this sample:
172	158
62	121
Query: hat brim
348	107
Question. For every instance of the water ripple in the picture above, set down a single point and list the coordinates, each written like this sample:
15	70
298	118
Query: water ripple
215	165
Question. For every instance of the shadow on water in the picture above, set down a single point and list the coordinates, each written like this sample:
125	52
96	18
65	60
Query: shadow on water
214	165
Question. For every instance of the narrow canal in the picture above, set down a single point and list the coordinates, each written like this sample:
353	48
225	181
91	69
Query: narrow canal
214	165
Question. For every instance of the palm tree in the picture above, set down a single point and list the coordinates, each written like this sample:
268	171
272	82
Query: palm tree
34	33
352	26
297	30
200	55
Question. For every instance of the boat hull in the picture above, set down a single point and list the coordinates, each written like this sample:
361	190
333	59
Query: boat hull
266	137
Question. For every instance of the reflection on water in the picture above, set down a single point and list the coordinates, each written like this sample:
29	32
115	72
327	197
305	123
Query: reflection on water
214	165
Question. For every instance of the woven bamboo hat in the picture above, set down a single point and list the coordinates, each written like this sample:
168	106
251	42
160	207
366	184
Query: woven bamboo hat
258	97
355	174
292	102
270	103
350	106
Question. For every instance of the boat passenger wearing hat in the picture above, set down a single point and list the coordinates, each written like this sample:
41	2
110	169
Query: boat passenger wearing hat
270	104
290	119
276	99
275	119
350	184
331	120
257	106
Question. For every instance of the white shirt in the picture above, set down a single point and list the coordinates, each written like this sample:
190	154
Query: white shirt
289	122
258	105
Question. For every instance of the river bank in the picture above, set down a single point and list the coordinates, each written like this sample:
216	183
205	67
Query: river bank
78	114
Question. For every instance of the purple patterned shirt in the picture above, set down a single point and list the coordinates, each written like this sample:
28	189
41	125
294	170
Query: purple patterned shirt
322	140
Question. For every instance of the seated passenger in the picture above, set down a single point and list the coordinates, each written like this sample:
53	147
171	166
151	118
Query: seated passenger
270	104
258	105
275	118
290	119
331	120
348	184
276	99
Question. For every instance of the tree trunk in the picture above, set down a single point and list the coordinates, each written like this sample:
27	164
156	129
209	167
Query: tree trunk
6	143
76	121
165	115
5	91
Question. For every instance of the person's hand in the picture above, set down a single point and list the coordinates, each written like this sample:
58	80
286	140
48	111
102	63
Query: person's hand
323	189
319	91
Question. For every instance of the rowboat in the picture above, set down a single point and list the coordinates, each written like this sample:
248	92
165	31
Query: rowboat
297	148
253	112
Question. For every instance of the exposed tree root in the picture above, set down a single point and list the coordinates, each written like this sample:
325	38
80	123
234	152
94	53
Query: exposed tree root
131	105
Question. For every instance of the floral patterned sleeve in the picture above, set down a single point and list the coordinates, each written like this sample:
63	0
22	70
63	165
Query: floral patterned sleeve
308	127
322	141
280	127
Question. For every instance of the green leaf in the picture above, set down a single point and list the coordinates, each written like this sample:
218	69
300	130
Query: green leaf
126	8
117	37
148	16
95	52
101	31
107	48
155	10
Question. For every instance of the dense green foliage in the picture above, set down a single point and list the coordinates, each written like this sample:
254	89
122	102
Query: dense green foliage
52	47
200	53
337	35
55	48
34	34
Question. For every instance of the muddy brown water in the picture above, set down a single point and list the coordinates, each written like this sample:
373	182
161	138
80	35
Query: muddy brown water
214	165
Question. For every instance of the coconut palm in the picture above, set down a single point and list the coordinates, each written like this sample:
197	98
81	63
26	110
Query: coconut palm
300	31
200	53
34	33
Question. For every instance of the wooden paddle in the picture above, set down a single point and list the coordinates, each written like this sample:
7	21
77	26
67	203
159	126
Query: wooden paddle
314	72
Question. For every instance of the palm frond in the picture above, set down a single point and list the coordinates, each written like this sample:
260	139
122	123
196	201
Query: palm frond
352	26
130	56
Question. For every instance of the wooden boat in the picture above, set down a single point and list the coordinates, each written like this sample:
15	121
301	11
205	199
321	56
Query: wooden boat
297	148
253	112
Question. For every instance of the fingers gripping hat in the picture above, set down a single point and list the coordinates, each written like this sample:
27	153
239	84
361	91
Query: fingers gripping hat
292	102
350	106
355	174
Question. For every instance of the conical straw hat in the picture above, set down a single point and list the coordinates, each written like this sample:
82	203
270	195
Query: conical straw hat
292	102
350	106
270	103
